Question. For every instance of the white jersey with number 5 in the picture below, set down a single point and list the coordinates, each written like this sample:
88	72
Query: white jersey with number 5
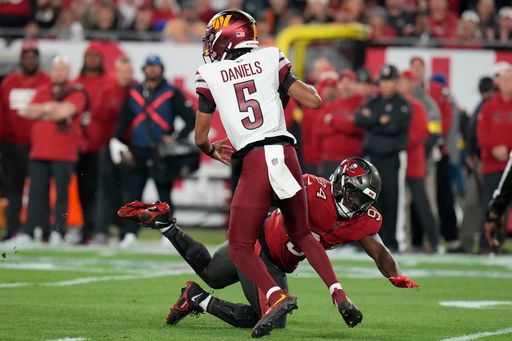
245	91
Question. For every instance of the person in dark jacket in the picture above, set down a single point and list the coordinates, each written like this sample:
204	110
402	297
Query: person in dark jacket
146	119
386	119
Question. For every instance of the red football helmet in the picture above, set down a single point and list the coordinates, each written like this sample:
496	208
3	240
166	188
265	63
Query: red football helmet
229	30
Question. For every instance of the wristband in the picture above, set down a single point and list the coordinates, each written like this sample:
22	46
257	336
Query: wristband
211	151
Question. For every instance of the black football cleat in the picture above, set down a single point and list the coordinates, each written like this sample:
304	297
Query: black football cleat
285	305
155	215
350	313
188	303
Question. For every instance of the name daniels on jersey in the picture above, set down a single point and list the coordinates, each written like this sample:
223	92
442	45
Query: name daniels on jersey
241	71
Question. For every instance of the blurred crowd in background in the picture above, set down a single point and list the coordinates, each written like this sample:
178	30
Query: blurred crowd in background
184	21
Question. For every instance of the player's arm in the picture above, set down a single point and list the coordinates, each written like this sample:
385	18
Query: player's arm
50	111
385	262
305	94
219	150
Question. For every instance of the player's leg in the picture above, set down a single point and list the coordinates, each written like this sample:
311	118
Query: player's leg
295	212
256	297
249	207
297	226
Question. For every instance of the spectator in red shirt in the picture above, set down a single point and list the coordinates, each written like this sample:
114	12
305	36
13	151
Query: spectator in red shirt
310	139
417	168
495	138
93	77
443	22
377	20
56	110
339	137
16	92
109	189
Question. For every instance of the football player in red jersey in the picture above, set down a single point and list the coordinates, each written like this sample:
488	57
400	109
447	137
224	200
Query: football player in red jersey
340	211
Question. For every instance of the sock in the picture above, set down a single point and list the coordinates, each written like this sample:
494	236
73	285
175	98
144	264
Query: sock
275	296
334	287
271	291
204	303
235	314
316	256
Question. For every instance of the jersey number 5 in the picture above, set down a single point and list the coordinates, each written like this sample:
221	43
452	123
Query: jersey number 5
244	105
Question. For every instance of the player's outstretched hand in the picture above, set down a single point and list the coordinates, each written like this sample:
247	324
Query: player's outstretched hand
350	313
223	151
402	281
155	215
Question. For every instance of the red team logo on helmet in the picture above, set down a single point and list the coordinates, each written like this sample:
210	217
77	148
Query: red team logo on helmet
356	185
227	31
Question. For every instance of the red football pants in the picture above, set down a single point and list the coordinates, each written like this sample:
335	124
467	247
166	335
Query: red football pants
249	207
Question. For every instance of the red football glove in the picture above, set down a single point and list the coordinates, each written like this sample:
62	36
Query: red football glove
155	215
402	281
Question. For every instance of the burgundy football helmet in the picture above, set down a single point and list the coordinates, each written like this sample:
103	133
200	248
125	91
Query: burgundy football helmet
356	185
227	31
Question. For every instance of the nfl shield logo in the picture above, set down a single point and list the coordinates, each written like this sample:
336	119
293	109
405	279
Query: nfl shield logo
274	162
240	34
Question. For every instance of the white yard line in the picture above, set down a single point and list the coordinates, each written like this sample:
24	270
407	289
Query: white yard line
479	335
474	304
70	339
87	280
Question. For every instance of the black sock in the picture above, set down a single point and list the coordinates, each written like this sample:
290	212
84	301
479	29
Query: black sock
235	314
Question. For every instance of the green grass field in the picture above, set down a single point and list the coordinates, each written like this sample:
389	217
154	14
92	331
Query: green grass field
108	294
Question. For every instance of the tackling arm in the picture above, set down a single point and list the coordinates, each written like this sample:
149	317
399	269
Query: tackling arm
387	265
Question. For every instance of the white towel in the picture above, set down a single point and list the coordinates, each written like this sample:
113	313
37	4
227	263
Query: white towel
281	179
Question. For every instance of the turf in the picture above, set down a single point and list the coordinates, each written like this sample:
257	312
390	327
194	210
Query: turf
132	292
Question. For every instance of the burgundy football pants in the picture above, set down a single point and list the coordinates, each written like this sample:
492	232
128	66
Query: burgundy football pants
249	207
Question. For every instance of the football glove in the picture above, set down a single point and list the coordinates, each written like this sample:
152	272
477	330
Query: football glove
402	281
155	215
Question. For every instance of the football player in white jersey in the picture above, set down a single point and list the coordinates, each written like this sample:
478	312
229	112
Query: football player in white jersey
248	86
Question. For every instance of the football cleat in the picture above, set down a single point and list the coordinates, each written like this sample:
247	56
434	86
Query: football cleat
347	309
155	215
187	303
285	305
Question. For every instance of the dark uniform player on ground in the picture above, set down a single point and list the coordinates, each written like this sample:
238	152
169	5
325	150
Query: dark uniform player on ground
354	187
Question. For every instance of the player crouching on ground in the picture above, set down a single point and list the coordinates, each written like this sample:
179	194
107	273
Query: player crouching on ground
340	211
